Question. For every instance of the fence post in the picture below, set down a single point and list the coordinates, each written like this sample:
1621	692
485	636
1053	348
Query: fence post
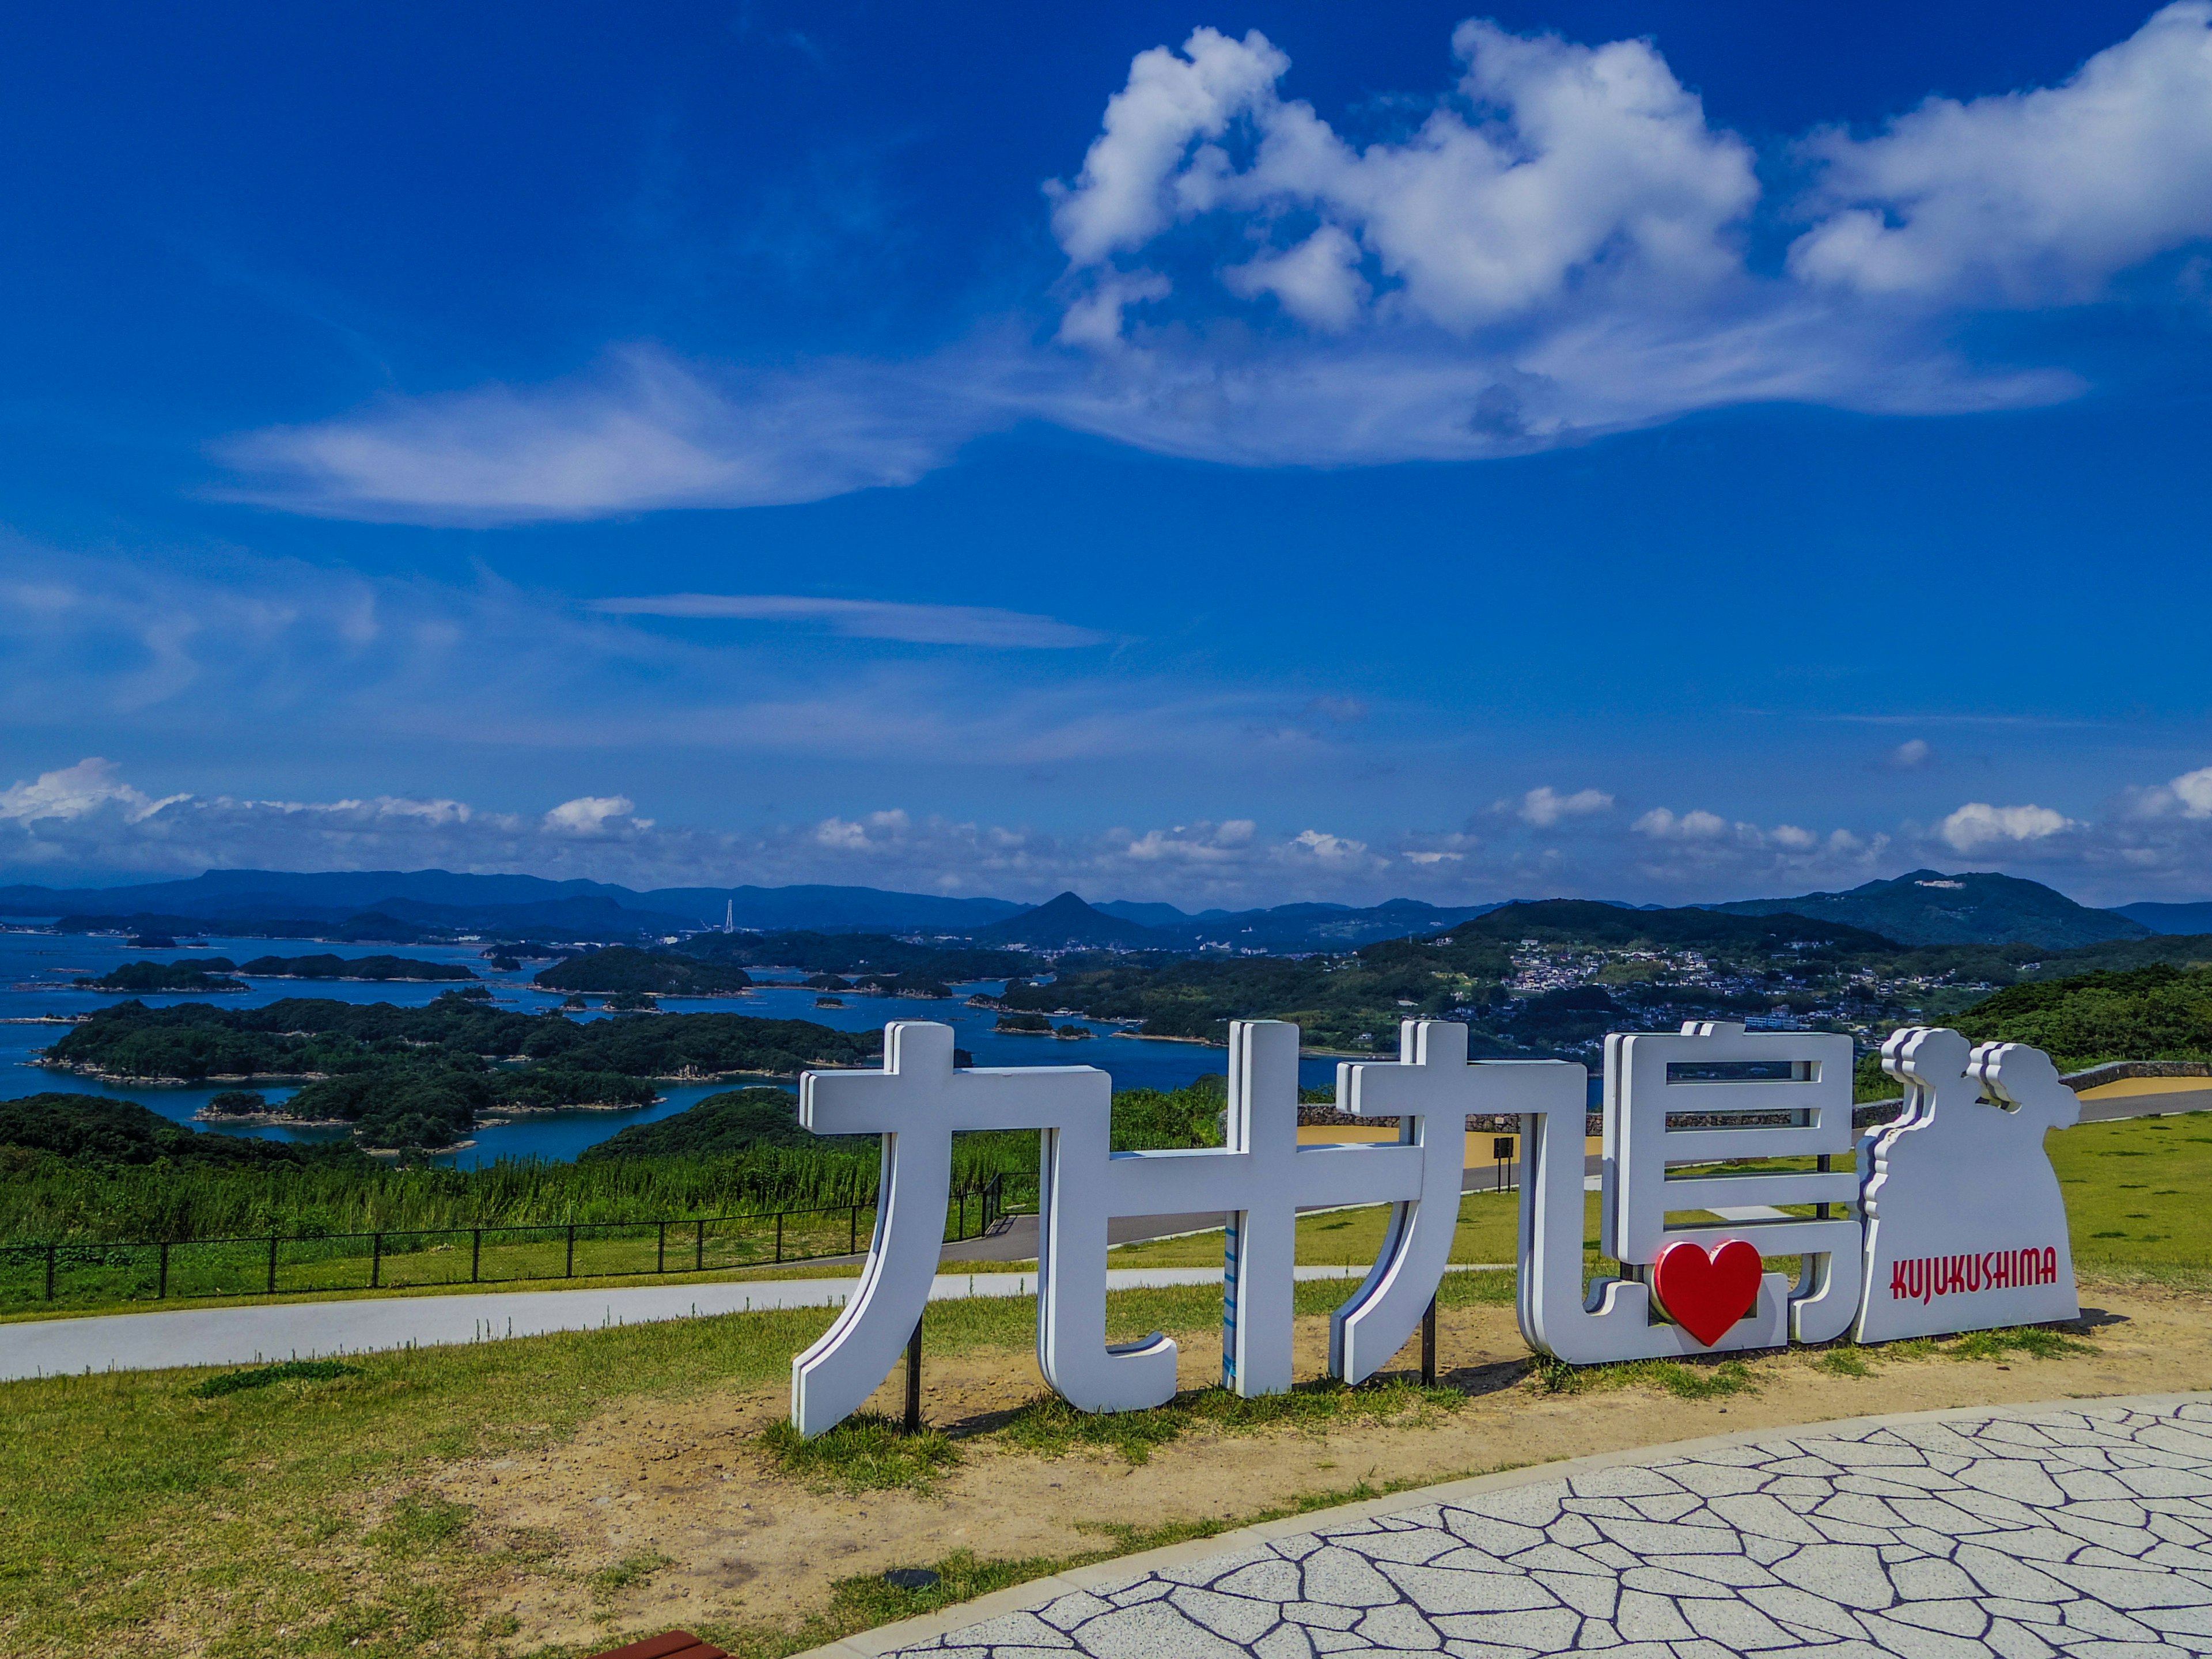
272	1264
376	1261
699	1248
779	1236
51	1251
661	1251
912	1424
476	1256
162	1294
852	1240
571	1274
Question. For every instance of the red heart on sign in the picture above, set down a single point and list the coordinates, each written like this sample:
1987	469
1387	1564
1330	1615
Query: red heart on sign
1706	1294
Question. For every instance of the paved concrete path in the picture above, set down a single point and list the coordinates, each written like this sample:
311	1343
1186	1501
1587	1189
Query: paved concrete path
2023	1532
307	1330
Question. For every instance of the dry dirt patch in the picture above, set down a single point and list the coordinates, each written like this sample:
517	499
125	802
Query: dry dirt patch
658	1513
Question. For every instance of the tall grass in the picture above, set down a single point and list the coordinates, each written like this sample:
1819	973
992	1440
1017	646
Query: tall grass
46	1200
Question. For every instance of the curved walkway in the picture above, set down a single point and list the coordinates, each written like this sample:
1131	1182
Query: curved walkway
2026	1532
158	1338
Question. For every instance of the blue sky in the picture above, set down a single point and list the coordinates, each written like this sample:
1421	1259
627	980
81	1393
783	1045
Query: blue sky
1647	451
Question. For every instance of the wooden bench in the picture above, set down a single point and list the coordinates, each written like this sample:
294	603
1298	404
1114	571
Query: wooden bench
676	1644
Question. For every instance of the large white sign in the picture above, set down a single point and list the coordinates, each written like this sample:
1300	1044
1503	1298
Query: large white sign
1951	1219
1965	1229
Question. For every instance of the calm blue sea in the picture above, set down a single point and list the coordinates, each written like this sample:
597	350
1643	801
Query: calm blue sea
35	970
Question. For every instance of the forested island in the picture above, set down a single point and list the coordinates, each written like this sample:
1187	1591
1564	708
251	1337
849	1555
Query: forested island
374	970
424	1076
662	973
185	974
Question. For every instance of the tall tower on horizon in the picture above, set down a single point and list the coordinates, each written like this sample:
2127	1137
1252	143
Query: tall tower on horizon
730	916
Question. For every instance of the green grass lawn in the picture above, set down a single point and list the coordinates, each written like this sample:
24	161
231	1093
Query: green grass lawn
1489	1231
292	1516
139	1499
2139	1195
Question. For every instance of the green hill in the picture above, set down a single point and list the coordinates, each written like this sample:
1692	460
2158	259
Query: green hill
1588	921
2158	1012
737	1121
91	1129
1975	908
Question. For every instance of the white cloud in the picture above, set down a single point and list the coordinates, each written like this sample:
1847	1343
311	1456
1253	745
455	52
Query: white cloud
1552	250
1661	824
643	431
869	619
875	833
1911	755
102	651
2028	197
75	792
1544	806
592	815
1317	281
1327	848
1199	843
1579	158
2193	791
1978	825
1118	201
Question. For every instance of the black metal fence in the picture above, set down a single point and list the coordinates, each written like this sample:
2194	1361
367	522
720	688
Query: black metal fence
89	1273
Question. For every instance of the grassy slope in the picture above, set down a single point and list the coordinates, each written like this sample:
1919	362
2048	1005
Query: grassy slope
128	1504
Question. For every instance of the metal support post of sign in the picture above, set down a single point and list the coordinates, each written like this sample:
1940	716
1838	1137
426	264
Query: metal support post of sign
1429	1345
912	1424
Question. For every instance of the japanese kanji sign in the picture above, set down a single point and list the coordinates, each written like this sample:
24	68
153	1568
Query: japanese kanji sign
1724	1150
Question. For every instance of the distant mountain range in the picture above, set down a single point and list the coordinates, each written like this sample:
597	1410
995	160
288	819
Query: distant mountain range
1929	908
441	898
2169	918
1923	908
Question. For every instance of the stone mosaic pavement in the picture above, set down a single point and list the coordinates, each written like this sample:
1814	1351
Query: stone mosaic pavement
2085	1532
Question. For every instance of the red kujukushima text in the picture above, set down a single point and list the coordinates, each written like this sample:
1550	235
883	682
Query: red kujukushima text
1927	1276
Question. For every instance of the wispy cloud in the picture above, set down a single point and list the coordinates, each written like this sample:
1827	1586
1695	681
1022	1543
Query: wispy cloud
869	619
1555	251
643	431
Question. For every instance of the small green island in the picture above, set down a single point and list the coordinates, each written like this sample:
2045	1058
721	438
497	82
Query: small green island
659	973
375	970
185	974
